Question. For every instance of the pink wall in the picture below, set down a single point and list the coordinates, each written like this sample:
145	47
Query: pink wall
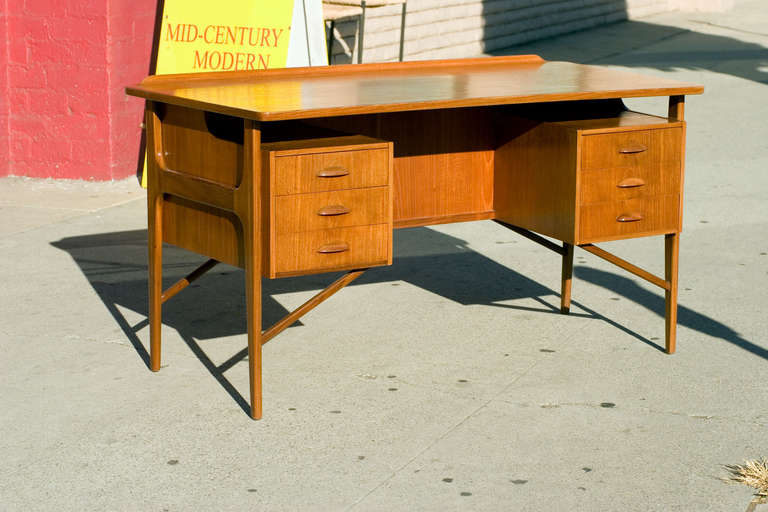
4	142
66	62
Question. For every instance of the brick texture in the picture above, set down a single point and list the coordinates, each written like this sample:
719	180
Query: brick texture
4	128
65	64
464	28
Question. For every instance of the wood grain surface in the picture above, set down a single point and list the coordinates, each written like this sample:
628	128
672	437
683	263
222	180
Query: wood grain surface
297	174
636	148
299	253
609	175
443	161
535	180
301	93
656	215
302	212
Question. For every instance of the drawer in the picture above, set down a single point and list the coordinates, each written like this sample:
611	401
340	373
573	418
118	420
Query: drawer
636	149
633	217
324	210
333	249
622	183
331	170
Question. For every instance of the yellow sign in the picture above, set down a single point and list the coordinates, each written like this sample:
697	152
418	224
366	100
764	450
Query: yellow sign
234	35
200	35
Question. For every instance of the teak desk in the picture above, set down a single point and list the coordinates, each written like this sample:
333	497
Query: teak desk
297	171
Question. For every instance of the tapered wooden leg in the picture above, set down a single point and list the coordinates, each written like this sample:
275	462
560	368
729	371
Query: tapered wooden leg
154	232
671	250
248	208
567	274
155	247
253	312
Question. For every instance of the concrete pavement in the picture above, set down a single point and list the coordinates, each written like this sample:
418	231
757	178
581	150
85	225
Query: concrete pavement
446	382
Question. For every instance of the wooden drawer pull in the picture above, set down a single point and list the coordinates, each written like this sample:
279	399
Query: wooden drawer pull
332	172
631	182
332	209
633	148
333	247
629	217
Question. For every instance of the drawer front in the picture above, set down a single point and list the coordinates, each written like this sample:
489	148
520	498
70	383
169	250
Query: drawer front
334	170
622	183
634	217
635	149
332	249
324	210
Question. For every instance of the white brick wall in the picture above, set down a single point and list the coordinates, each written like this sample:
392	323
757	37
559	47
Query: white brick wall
464	28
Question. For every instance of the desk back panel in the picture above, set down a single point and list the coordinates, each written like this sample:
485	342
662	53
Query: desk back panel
443	165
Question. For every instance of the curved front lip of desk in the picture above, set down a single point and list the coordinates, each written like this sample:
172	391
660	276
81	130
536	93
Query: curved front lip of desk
353	89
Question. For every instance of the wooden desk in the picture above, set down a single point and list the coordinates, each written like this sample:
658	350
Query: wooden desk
297	171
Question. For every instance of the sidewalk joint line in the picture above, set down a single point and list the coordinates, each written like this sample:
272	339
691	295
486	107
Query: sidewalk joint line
638	47
739	30
441	437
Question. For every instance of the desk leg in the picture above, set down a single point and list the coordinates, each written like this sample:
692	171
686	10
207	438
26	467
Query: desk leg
248	208
155	247
253	312
671	250
154	234
566	278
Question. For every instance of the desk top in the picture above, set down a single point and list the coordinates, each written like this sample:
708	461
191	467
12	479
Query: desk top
301	93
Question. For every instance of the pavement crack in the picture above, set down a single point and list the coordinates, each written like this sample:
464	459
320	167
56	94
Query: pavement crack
439	438
707	417
726	27
610	405
111	341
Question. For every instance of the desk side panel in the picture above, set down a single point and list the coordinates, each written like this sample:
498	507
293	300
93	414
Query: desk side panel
535	178
203	144
202	229
208	146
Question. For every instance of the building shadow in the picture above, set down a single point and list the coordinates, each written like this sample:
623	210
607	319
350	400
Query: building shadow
633	43
587	32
